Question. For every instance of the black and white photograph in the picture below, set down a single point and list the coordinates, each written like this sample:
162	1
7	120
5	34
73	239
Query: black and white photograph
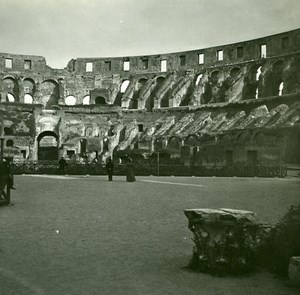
149	147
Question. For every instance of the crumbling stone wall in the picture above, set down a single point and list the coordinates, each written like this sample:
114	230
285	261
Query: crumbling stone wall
203	107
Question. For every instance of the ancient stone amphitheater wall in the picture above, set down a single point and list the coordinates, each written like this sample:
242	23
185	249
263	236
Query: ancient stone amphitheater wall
241	92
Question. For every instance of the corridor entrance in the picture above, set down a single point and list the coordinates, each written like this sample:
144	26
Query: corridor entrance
47	146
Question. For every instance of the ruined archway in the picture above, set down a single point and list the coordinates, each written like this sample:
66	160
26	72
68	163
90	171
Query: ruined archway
277	71
47	146
133	104
29	86
50	93
10	88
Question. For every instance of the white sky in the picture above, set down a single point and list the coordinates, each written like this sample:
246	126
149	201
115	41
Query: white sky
61	30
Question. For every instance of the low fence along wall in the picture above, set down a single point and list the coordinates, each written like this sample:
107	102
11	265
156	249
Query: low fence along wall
51	167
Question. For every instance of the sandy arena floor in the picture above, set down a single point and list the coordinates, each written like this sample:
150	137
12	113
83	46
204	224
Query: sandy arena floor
85	235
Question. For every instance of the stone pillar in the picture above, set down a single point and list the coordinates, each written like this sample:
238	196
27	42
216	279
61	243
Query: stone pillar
225	239
294	270
21	90
61	87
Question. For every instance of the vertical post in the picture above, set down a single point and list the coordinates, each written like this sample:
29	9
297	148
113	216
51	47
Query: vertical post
2	147
280	163
157	163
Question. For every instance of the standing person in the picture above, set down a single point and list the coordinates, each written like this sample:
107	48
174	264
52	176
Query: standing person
4	175
130	177
110	169
10	174
62	165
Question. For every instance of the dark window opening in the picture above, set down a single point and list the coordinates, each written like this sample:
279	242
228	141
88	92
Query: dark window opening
240	52
70	153
108	65
8	131
82	145
9	142
23	153
141	127
182	60
100	100
285	42
145	63
110	131
27	64
105	144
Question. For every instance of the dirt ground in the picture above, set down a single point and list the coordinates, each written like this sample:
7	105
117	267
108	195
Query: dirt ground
85	235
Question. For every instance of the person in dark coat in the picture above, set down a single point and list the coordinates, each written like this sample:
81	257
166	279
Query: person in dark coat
4	177
110	169
10	174
130	177
62	165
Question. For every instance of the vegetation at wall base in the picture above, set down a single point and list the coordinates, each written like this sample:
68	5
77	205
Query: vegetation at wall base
282	244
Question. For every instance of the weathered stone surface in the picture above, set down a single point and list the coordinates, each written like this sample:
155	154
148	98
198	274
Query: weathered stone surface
160	111
225	239
294	271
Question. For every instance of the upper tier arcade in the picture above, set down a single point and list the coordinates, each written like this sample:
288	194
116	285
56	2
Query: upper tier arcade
263	67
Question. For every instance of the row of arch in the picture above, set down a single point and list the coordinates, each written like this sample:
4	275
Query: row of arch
259	81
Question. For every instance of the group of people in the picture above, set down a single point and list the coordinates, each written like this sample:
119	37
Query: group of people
130	177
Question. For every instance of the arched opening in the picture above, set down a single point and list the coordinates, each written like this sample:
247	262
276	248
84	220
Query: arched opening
105	144
28	98
149	104
47	146
86	100
139	86
158	144
50	93
82	145
278	77
234	73
29	86
89	132
124	86
191	141
174	144
214	77
10	87
100	100
9	143
70	100
280	88
198	79
258	73
257	78
141	83
10	97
